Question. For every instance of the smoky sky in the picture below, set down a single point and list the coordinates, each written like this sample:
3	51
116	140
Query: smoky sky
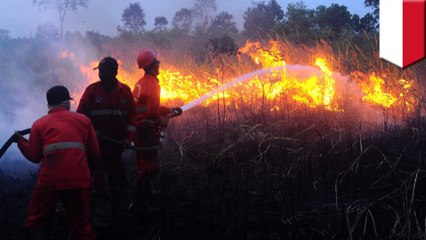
21	17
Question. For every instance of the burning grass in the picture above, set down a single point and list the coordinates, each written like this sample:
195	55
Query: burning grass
283	75
300	151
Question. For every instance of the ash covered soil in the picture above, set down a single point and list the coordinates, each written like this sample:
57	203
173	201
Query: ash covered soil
367	187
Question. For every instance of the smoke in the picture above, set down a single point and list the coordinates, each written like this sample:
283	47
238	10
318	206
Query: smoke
32	67
20	106
349	96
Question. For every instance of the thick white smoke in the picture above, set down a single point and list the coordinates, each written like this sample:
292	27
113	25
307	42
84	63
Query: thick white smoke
27	75
24	104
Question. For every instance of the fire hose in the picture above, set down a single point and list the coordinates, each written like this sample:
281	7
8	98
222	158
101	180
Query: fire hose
173	114
9	142
128	146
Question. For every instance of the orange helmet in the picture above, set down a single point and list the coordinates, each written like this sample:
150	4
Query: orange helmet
145	58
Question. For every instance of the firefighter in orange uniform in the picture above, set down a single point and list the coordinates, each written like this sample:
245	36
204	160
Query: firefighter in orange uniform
150	119
109	105
65	145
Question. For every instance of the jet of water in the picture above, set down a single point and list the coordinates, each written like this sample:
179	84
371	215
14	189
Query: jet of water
243	78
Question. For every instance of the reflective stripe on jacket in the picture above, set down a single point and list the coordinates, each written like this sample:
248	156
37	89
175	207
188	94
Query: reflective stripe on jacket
62	145
62	142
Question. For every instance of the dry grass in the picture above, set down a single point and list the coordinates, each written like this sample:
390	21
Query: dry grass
268	177
243	172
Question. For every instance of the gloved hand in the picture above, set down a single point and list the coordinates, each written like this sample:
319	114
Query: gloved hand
16	136
176	111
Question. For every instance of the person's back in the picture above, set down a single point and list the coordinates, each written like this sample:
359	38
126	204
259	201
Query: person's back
63	135
110	112
109	105
65	145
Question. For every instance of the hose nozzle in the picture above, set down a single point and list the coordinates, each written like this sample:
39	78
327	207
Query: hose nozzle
176	111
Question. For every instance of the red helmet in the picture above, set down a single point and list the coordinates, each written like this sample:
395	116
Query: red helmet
145	58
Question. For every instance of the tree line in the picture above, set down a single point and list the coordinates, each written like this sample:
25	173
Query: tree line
261	20
202	31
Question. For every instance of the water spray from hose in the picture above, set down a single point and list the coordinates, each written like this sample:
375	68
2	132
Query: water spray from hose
243	78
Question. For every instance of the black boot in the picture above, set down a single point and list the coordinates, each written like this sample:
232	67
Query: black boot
117	211
142	202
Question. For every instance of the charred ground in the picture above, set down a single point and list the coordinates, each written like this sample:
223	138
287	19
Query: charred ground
275	179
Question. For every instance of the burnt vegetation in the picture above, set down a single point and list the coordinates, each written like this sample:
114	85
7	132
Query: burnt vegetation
241	171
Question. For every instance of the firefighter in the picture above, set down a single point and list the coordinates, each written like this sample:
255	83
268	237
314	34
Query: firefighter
109	105
65	145
151	118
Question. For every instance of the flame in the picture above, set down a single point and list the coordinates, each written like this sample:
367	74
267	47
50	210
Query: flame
266	58
314	86
176	86
376	93
67	54
315	91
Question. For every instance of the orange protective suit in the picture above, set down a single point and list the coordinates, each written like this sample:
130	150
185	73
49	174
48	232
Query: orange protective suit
65	145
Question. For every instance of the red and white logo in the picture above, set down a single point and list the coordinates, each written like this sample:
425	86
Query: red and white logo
402	31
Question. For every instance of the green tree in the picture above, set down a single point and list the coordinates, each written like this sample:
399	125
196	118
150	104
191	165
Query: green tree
275	10
299	21
222	25
183	20
368	23
365	24
220	31
160	34
160	23
376	12
62	7
224	45
333	21
262	19
356	23
133	18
